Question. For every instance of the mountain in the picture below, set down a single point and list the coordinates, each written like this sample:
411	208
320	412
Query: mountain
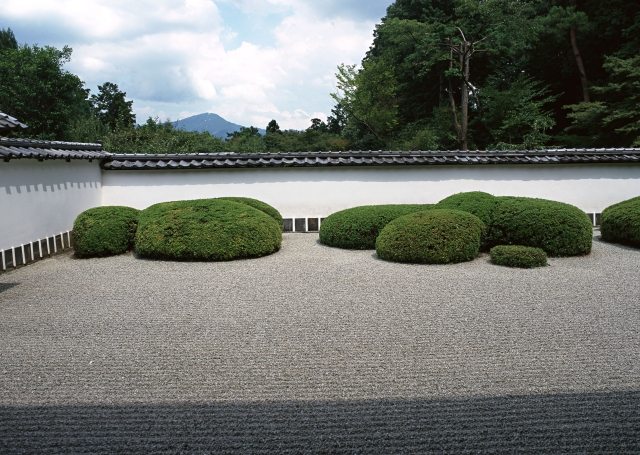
212	123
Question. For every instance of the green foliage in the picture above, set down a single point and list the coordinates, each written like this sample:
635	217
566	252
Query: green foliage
621	223
614	119
104	231
357	228
7	39
206	230
559	229
256	204
436	236
525	257
111	107
156	137
38	91
477	203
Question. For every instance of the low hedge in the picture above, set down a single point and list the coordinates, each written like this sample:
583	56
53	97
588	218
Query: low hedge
104	231
206	230
620	223
357	228
436	236
256	204
477	203
518	256
557	228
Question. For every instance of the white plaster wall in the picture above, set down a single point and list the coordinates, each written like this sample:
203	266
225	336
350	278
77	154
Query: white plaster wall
317	192
42	198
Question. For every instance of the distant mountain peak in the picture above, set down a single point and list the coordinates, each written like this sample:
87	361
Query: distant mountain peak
208	121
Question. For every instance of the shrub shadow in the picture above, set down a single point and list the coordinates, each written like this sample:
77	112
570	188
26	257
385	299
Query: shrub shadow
566	423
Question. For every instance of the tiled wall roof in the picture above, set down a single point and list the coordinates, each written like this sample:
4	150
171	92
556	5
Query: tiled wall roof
7	122
11	148
332	159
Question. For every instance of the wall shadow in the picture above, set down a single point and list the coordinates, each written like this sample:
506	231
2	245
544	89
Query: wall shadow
565	423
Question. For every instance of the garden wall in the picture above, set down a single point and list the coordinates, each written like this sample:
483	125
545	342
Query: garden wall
39	200
315	192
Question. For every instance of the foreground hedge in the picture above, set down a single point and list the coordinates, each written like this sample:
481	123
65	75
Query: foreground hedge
256	204
557	228
104	231
206	230
436	236
620	223
357	228
518	256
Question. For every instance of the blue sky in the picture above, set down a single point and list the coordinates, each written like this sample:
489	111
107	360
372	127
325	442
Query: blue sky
250	61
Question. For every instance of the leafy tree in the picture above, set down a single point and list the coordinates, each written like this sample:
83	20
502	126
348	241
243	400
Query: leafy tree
247	139
158	137
613	119
37	90
112	108
273	127
7	39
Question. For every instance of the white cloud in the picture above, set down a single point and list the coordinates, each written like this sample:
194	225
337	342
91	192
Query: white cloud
174	57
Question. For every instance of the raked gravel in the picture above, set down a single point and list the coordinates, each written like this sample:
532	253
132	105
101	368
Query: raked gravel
321	349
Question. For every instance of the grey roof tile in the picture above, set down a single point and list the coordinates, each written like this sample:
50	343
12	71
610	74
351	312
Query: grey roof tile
8	123
376	158
11	148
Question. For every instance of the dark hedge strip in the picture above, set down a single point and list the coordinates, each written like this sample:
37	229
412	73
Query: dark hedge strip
518	256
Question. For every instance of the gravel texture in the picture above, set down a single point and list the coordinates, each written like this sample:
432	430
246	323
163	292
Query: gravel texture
316	349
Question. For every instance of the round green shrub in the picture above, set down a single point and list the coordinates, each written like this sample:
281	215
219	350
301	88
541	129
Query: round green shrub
104	231
620	223
525	257
559	229
477	203
437	236
206	230
256	204
357	228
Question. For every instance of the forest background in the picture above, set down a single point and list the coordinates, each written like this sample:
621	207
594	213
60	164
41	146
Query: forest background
440	75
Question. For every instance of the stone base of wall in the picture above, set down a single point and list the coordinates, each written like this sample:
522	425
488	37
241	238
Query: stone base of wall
313	224
34	251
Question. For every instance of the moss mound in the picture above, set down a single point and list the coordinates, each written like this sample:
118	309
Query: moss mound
557	228
477	203
104	231
621	223
256	204
437	236
525	257
206	230
357	228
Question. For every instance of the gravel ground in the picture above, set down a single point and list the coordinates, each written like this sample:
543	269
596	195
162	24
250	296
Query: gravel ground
316	349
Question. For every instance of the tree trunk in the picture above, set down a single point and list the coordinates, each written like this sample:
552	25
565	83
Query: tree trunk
465	56
581	71
452	101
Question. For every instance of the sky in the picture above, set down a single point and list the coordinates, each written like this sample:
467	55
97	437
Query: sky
249	61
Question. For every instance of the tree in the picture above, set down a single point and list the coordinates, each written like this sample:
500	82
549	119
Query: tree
112	108
247	139
37	90
7	39
613	119
273	127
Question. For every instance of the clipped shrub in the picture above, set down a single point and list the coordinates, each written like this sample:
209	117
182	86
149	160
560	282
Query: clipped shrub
357	228
559	229
437	236
477	203
206	230
620	223
256	204
525	257
104	231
